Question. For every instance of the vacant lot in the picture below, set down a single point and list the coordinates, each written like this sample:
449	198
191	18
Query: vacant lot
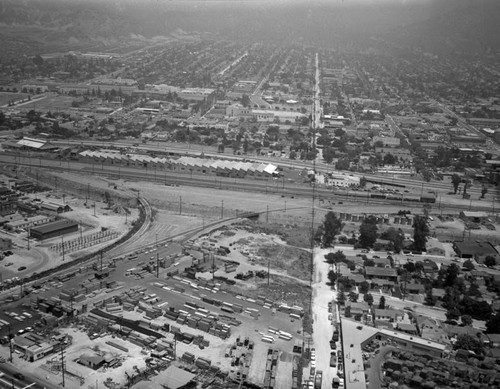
52	103
5	97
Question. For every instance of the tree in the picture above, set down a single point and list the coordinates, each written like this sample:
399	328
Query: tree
368	232
484	190
451	298
364	287
493	324
420	232
341	297
468	265
452	314
342	164
409	267
466	320
429	298
455	181
368	298
390	159
381	303
332	277
245	101
490	261
328	154
396	236
451	275
468	342
339	132
353	297
336	257
331	228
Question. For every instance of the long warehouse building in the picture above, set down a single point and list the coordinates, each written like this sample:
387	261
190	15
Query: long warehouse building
53	229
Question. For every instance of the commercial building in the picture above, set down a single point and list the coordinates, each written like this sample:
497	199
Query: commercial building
28	222
5	244
53	229
32	346
473	216
475	250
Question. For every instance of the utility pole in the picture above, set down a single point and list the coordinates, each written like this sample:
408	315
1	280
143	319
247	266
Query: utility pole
157	265
213	265
268	269
222	210
267	214
62	246
63	370
180	205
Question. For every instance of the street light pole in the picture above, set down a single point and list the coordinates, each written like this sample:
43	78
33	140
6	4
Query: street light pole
10	345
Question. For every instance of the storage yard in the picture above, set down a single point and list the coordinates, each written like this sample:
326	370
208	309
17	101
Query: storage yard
128	317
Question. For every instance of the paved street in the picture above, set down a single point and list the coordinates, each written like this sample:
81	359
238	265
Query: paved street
323	329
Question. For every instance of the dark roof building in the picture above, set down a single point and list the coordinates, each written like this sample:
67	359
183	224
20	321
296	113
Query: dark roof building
381	272
92	361
53	229
471	249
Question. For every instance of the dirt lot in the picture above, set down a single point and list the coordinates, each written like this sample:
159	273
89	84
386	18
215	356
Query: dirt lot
51	102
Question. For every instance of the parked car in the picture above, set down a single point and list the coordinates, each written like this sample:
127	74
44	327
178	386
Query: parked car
21	268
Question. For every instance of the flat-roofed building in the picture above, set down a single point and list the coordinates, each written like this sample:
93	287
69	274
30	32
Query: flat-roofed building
471	249
32	347
28	222
53	229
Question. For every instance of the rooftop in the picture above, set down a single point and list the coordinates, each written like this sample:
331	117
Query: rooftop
380	271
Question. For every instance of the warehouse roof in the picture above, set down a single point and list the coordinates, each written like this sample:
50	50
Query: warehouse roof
174	377
33	143
53	226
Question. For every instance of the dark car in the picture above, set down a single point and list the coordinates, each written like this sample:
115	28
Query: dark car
19	376
21	268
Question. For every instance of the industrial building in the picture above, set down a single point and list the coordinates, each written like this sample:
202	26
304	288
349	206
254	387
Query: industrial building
53	229
32	346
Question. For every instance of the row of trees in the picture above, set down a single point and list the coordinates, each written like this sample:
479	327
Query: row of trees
368	232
